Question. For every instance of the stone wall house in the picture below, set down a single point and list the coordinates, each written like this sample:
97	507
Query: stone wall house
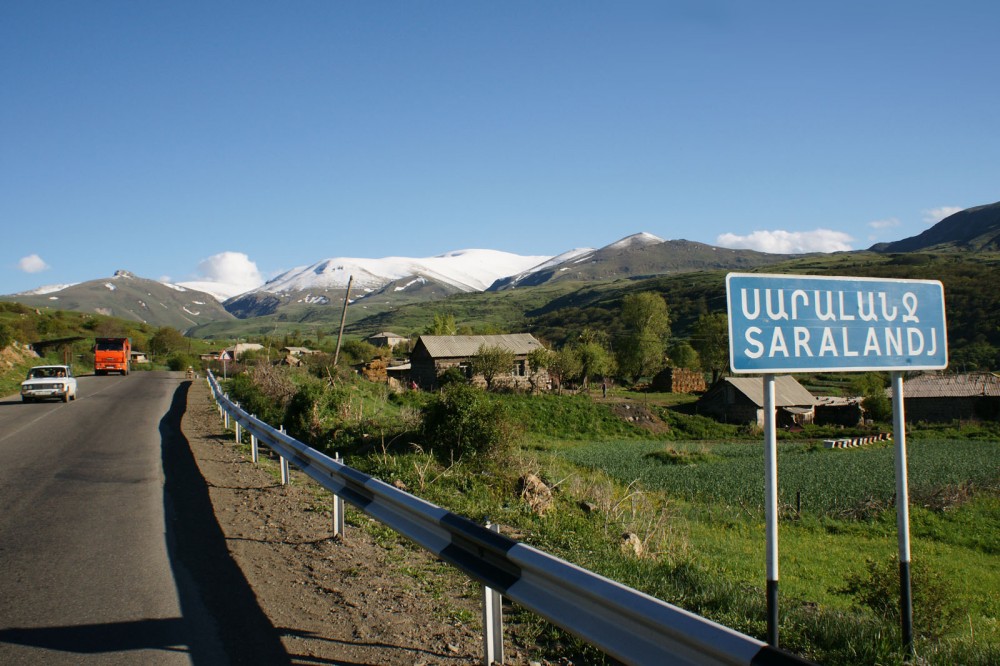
741	400
943	398
679	380
433	354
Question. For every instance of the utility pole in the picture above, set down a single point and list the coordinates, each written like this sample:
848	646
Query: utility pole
343	318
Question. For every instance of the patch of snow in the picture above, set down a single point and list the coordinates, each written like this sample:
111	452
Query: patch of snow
220	291
411	283
47	289
53	298
110	286
553	262
175	287
198	302
191	312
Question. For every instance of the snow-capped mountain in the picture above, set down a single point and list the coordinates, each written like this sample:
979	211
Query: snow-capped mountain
465	270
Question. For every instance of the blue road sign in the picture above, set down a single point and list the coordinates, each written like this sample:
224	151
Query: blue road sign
805	323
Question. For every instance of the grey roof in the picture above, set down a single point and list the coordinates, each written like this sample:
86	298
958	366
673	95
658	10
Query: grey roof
952	386
787	391
461	346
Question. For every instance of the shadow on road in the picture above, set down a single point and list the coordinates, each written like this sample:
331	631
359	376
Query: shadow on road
211	586
164	634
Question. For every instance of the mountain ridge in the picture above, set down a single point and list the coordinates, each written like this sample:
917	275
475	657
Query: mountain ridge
975	229
316	292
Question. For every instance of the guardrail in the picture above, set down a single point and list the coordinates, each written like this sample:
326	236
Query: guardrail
628	625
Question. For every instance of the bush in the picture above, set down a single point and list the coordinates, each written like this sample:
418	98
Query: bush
313	412
463	421
179	361
452	375
6	336
877	589
256	399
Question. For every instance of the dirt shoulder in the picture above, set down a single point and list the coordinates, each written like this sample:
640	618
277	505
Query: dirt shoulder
362	600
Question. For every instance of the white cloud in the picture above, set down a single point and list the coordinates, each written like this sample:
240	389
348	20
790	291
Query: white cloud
234	268
32	264
887	223
935	215
789	242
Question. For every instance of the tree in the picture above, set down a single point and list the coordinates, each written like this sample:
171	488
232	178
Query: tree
711	340
6	336
647	324
875	402
166	340
683	355
595	361
491	361
444	324
564	365
538	360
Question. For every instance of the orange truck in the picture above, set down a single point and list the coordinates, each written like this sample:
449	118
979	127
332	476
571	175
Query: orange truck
112	355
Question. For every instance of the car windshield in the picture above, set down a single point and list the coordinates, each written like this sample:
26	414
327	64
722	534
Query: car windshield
43	373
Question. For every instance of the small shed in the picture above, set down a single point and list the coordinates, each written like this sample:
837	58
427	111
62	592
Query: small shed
941	398
741	400
836	410
433	354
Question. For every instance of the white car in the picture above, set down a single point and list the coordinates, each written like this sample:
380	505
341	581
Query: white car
49	381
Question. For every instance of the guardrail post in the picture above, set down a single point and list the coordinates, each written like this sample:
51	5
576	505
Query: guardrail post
338	506
254	456
492	620
285	475
225	418
239	433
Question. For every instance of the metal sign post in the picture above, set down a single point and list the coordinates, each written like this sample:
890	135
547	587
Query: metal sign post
771	507
902	512
800	323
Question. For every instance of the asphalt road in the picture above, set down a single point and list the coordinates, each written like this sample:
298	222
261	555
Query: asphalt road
90	567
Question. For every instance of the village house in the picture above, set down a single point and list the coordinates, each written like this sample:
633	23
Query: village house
943	398
741	400
232	353
386	339
433	354
297	351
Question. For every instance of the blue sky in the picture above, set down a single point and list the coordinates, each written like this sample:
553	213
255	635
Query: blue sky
232	140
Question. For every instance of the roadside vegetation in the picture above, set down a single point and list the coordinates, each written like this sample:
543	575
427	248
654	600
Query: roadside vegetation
672	505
